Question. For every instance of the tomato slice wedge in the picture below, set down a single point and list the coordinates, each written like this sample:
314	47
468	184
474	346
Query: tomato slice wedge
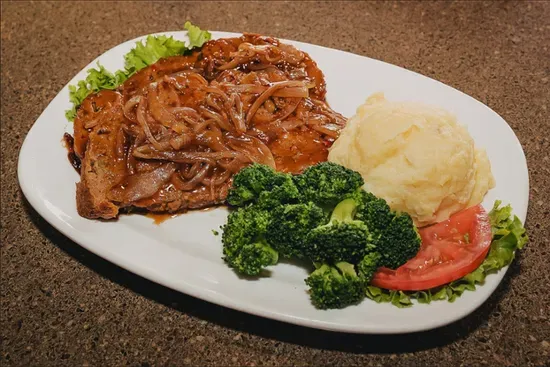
450	250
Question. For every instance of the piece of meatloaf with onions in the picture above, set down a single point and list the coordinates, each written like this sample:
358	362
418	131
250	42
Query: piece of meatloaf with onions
174	134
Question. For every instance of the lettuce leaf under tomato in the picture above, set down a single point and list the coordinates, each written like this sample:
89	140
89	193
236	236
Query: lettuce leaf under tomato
509	235
142	55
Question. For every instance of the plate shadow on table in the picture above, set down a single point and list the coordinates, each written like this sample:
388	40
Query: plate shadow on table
276	330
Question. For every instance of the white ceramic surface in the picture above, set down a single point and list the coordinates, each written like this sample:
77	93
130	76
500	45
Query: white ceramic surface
183	254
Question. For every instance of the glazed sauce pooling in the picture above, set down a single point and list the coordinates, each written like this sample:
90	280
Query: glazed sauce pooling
159	218
68	142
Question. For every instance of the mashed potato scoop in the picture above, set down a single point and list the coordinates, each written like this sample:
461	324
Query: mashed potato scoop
415	156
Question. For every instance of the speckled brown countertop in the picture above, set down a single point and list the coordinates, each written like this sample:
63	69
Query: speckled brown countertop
61	305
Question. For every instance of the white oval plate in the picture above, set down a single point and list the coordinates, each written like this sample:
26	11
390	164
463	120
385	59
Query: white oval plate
183	254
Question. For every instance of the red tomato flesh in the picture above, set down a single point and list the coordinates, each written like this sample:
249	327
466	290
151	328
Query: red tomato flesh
449	250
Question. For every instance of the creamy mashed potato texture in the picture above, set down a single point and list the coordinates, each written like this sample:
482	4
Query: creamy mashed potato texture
415	156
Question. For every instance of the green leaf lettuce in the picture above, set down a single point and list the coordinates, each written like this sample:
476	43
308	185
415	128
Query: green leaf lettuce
139	57
508	236
197	37
154	48
96	80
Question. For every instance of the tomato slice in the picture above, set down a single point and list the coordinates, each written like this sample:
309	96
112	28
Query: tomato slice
450	250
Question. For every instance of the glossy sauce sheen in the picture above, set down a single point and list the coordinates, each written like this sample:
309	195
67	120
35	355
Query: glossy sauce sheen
159	218
68	142
293	148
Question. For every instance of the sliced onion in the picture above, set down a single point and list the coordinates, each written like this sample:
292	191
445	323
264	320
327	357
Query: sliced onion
130	160
261	66
216	181
273	60
212	139
189	185
292	92
192	171
220	119
180	141
297	74
253	148
189	75
231	64
217	91
180	127
142	185
199	78
129	106
211	101
245	88
140	114
301	91
200	127
157	109
184	111
233	165
291	124
145	152
267	94
326	130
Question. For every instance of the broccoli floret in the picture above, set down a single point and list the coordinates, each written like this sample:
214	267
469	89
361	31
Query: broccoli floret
282	191
249	182
399	242
342	239
244	246
253	257
376	214
326	183
335	286
289	226
362	197
394	235
368	266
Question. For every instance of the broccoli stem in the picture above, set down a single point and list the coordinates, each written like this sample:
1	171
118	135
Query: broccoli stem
346	268
344	211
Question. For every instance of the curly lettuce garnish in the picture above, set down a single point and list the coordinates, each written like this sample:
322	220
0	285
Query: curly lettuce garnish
141	56
508	236
96	80
155	48
197	37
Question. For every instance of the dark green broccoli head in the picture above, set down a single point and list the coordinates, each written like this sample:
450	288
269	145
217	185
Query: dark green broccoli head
368	266
252	258
338	241
244	246
244	225
289	227
282	191
249	182
399	242
361	197
376	214
335	286
328	183
342	239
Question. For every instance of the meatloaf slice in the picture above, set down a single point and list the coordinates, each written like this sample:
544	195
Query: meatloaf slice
103	165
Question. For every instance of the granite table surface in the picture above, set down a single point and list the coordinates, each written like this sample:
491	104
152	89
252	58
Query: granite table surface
62	305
